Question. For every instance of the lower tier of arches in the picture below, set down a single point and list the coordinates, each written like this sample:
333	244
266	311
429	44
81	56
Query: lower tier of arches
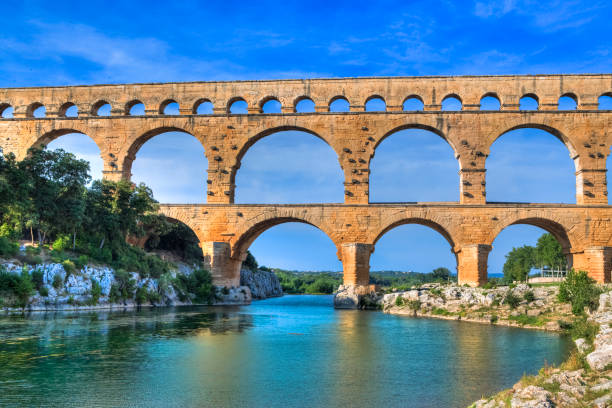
227	231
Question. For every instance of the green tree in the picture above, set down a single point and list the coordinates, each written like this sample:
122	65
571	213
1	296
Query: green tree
441	273
549	252
58	182
519	262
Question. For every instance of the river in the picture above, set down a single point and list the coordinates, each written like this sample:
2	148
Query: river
294	351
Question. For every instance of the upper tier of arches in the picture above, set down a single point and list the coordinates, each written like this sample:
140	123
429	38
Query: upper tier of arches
568	92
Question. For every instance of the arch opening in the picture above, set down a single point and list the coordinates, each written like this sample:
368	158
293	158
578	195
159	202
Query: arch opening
452	103
339	104
289	243
36	110
238	106
101	108
414	245
203	107
271	105
79	144
490	102
529	102
135	108
568	101
527	245
605	101
412	164
375	104
169	107
286	166
159	150
6	111
305	105
68	110
413	103
526	164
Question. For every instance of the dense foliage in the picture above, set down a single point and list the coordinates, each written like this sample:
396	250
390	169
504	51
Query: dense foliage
580	290
46	197
546	254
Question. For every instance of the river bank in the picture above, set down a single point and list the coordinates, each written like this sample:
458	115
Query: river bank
519	306
62	287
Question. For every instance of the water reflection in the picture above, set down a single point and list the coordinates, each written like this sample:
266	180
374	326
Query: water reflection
291	351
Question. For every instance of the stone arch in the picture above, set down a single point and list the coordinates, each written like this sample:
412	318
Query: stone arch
131	104
410	98
493	95
95	108
530	96
51	135
32	108
572	96
254	139
414	126
234	100
129	154
405	220
196	105
338	98
601	101
164	105
373	98
562	234
267	99
302	98
450	97
561	136
63	110
250	231
3	108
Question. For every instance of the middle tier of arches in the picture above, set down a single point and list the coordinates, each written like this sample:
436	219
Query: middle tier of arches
354	138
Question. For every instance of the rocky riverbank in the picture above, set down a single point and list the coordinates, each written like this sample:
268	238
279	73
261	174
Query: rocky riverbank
584	380
520	306
95	287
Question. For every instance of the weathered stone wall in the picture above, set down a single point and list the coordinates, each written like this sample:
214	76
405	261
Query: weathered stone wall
470	224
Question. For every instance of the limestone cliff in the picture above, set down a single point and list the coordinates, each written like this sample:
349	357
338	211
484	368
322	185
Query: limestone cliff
263	284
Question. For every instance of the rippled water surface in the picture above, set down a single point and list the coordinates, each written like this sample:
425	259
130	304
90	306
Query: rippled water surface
295	351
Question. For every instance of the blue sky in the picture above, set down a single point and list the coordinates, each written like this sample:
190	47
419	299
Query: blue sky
85	43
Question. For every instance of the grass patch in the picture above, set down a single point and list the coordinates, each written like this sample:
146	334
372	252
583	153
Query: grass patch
525	320
439	311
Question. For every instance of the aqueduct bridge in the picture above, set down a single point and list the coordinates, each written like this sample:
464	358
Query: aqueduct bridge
470	224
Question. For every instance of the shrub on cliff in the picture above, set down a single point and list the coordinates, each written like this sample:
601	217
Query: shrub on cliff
580	290
18	286
196	286
96	292
512	300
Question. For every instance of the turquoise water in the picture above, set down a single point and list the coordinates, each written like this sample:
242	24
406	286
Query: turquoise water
294	351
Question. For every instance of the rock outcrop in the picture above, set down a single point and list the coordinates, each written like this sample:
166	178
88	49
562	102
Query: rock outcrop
522	306
73	291
262	284
356	297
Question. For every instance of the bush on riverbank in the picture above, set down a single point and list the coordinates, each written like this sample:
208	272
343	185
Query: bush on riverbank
580	291
15	289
